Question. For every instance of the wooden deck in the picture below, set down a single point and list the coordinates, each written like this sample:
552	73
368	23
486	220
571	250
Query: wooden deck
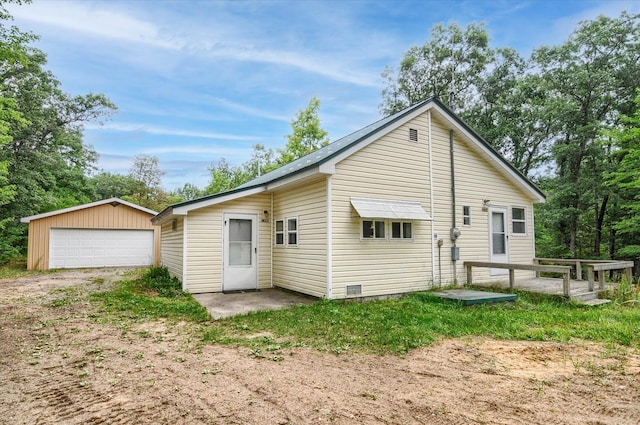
579	289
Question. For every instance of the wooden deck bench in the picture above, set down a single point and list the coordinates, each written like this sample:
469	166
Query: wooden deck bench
592	267
564	270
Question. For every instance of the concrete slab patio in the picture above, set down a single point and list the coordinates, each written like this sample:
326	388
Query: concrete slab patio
222	305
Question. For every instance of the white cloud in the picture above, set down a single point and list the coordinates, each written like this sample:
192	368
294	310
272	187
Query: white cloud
163	131
106	21
88	19
248	110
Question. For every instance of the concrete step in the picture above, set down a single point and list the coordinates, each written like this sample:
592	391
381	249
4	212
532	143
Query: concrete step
584	296
597	301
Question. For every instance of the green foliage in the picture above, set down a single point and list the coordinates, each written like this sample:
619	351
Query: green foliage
625	293
146	176
450	65
106	185
187	192
43	160
307	135
153	295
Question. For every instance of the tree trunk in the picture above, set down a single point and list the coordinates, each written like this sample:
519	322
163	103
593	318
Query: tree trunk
600	212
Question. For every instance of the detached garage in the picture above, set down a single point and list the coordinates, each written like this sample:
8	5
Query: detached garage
108	233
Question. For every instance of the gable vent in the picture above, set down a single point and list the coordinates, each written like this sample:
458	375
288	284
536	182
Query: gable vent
413	135
354	289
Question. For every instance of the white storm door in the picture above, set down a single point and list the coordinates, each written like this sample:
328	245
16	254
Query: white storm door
498	239
240	252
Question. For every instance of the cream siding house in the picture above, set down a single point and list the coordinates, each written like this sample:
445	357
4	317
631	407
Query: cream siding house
369	215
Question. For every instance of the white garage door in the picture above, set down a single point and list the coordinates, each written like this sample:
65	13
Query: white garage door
73	248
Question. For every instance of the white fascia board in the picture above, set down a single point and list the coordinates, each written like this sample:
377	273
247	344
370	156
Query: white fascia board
300	176
491	156
84	206
184	210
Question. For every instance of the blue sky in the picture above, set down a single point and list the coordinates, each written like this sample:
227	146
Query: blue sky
195	81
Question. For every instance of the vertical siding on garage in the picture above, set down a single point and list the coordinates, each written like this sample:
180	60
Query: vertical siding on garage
98	217
204	243
476	180
302	268
393	168
171	253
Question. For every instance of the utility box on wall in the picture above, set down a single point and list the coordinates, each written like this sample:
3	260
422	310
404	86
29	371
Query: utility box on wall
455	253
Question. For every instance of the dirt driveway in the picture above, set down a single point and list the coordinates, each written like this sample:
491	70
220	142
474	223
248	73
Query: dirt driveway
59	365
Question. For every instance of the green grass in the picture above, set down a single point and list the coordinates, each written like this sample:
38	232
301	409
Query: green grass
417	320
14	271
153	295
389	326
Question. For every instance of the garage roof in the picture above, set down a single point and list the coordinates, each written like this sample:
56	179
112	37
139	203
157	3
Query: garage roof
113	201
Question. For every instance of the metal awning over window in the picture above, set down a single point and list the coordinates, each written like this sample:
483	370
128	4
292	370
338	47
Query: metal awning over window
384	208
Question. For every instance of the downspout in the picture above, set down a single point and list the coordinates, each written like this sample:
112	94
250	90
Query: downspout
184	254
454	229
329	242
272	230
432	203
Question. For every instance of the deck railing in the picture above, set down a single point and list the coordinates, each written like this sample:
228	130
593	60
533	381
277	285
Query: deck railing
592	267
564	270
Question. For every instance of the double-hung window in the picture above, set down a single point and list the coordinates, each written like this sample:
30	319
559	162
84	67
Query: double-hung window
518	221
466	215
292	231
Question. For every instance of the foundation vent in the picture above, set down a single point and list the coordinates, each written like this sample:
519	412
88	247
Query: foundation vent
354	290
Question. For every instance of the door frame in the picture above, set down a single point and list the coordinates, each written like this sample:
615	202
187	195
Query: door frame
250	274
499	258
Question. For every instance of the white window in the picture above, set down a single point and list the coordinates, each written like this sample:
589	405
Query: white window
286	231
280	232
466	215
373	229
401	230
518	221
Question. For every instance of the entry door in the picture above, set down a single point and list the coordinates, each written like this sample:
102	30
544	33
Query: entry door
240	252
498	239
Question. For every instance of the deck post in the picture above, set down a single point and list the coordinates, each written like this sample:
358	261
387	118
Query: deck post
565	283
512	277
629	272
578	270
601	279
591	277
469	276
537	263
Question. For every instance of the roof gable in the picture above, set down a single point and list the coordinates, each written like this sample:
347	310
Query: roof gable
325	158
113	201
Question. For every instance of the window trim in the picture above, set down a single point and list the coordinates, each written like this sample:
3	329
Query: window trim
514	220
401	238
388	230
373	221
466	217
290	232
281	232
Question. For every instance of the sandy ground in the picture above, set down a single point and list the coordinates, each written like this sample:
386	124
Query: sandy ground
58	366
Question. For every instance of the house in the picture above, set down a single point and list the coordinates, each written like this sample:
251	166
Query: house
111	232
394	207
